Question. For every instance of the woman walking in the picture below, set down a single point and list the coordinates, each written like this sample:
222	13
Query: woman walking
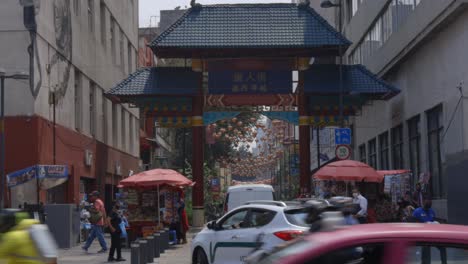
114	221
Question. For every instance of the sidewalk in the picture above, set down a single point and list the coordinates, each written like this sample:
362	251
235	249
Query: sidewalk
176	254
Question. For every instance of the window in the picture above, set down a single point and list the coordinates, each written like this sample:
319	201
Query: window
391	18
434	132
91	15
92	109
130	61
414	147
362	153
122	127
115	121
397	147
259	218
103	24
235	220
121	45
78	103
383	147
113	39
298	217
77	7
432	253
373	153
370	253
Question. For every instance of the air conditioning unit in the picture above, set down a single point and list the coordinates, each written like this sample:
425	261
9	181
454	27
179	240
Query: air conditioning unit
88	157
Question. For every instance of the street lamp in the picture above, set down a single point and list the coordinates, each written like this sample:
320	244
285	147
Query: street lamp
329	4
3	76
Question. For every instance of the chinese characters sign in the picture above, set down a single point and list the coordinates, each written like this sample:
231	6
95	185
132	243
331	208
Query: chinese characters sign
250	82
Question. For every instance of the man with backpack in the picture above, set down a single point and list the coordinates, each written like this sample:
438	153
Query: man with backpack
97	216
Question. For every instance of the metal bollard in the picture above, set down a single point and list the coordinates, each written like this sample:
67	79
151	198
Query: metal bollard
150	240
135	253
162	242
143	251
157	241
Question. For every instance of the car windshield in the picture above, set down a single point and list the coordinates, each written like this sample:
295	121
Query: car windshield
297	217
288	250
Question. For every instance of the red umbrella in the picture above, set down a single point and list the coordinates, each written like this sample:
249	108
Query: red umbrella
156	177
348	170
392	172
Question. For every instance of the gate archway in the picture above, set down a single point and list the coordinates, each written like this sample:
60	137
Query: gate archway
243	56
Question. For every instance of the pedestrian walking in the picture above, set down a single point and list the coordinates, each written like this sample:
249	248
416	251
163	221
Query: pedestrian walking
183	220
426	214
361	215
97	218
114	222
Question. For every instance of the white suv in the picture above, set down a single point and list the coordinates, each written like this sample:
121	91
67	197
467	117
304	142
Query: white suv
236	235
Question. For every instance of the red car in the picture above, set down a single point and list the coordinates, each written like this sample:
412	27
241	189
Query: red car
378	244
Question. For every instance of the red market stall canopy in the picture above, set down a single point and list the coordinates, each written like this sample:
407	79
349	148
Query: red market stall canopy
348	170
156	177
392	172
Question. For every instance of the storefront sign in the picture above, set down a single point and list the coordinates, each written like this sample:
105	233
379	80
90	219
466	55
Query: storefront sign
251	82
52	171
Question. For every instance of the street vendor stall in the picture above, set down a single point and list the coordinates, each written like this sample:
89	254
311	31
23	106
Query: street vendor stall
396	183
150	198
335	178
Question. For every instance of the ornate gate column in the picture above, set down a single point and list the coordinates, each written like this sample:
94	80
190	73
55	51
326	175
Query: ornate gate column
197	162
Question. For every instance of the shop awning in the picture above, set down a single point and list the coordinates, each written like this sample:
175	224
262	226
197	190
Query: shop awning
49	176
157	177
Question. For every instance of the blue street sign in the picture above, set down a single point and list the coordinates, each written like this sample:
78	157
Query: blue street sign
343	136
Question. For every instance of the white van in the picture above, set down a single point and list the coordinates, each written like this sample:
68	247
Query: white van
241	194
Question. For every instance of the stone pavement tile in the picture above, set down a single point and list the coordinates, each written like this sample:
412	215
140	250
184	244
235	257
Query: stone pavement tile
178	254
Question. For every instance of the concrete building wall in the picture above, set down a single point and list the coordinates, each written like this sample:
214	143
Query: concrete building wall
67	43
424	58
14	34
82	48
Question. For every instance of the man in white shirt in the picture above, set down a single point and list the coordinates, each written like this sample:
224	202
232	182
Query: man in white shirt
362	201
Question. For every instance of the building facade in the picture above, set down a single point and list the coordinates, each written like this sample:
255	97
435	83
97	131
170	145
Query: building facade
158	147
73	50
419	47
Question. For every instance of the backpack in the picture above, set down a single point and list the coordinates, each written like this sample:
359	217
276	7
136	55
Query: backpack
95	215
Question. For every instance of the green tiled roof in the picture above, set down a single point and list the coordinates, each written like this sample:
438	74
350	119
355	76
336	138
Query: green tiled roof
250	26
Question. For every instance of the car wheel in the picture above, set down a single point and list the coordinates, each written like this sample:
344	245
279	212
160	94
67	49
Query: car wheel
200	257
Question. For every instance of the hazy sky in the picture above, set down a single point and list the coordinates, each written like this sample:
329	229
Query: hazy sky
149	9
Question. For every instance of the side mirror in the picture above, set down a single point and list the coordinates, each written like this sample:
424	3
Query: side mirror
212	225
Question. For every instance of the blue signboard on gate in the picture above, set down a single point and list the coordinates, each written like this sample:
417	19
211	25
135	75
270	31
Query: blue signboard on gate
250	82
343	136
